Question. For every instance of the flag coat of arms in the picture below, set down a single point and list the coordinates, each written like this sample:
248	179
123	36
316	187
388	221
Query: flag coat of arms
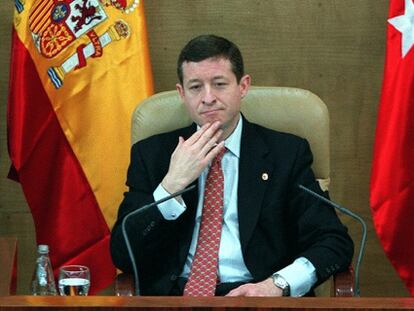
392	178
78	69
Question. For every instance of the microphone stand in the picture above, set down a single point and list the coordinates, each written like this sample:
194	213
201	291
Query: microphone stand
364	231
125	235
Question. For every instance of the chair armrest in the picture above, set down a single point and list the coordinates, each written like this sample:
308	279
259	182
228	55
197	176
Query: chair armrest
344	283
124	285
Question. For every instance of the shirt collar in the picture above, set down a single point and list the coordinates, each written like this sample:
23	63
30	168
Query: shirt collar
232	142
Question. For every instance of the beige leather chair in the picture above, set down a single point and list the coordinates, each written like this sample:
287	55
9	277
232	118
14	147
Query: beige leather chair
284	109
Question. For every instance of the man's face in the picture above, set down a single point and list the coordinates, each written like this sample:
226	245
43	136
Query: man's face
211	93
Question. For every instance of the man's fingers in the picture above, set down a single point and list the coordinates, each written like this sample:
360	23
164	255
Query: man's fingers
180	143
260	289
213	152
189	160
203	135
243	290
208	134
201	143
196	136
211	143
239	291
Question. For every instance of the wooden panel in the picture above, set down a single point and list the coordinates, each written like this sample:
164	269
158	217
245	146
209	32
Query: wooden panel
20	225
8	266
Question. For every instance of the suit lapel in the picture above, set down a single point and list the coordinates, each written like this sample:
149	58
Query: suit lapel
186	233
191	199
254	172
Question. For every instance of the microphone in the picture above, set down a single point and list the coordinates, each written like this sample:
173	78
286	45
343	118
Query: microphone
353	215
125	235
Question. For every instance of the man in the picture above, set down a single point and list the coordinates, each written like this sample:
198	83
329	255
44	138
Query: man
273	239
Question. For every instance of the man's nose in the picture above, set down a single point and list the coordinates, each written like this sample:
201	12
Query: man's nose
208	96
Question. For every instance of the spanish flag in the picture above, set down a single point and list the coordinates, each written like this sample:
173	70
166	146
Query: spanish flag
78	69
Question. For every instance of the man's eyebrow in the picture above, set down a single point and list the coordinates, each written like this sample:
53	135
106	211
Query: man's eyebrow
219	77
193	80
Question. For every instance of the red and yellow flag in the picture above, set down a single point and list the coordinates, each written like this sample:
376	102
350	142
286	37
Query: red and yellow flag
78	69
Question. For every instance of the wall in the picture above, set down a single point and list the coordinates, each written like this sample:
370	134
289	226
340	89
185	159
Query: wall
334	48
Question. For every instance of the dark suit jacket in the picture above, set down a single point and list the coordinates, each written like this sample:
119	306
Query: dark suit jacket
277	221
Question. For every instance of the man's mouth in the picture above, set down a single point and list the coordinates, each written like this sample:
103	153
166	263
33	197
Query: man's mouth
211	111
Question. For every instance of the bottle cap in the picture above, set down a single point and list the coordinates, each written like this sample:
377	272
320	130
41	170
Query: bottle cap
43	249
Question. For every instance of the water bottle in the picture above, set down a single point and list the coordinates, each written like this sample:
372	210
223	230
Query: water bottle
43	281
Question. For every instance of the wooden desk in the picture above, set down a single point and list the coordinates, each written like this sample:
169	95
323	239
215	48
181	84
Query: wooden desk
105	303
8	266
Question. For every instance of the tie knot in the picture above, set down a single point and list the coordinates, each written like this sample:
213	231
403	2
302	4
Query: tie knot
220	155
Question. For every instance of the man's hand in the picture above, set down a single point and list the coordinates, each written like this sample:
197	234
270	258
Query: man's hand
264	288
192	156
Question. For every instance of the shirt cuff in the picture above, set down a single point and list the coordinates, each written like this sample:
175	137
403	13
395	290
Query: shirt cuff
300	275
170	209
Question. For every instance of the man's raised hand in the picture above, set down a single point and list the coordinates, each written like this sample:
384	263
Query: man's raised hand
192	156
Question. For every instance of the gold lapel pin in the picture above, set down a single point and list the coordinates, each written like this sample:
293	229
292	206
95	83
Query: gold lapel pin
265	176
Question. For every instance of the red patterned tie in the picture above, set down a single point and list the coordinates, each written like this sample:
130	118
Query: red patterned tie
204	269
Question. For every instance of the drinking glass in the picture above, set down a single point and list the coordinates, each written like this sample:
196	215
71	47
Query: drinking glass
74	280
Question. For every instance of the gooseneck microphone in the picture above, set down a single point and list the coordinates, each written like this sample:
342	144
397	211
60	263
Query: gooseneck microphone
125	235
353	215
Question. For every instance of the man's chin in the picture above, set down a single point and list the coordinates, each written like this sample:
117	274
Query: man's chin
211	121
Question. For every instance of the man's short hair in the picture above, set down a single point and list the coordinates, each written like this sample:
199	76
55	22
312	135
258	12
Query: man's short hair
207	46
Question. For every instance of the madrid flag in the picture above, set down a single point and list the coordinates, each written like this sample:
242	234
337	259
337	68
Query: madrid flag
78	69
392	179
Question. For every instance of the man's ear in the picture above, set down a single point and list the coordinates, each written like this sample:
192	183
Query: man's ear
244	84
180	90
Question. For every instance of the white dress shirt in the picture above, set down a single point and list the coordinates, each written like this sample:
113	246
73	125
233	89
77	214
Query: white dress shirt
300	274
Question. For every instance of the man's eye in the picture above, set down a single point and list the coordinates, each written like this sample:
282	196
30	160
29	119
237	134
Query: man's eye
195	87
221	84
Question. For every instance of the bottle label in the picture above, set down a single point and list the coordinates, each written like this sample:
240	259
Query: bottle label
42	275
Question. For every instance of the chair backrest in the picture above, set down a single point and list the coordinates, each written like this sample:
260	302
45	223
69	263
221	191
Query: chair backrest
285	109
